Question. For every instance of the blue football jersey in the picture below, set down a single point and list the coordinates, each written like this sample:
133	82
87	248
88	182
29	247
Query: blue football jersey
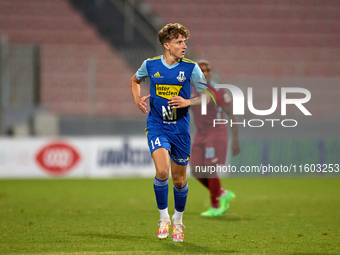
166	81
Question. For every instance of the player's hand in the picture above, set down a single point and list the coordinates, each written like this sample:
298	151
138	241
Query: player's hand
235	147
178	102
141	104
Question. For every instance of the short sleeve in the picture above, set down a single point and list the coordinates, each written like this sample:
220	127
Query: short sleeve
142	72
197	78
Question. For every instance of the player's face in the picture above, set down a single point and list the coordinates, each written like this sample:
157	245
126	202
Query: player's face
178	46
206	71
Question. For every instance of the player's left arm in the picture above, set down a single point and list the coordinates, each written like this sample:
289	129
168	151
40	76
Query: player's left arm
197	80
228	109
180	102
198	100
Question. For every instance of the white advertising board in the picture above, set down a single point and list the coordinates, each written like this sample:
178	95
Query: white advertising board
42	158
125	157
75	157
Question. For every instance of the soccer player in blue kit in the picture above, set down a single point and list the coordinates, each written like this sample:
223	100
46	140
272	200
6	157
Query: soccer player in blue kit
171	77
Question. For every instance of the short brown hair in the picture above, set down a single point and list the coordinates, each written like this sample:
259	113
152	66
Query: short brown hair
203	62
172	31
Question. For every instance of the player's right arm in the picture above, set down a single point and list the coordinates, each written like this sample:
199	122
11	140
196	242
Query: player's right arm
135	81
135	90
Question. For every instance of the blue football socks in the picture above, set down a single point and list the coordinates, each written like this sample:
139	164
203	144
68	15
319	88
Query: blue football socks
180	195
161	191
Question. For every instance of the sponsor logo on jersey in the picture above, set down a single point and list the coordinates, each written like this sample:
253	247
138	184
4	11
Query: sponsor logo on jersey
169	114
167	91
157	75
181	76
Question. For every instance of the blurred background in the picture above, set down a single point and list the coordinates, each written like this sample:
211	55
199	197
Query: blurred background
65	65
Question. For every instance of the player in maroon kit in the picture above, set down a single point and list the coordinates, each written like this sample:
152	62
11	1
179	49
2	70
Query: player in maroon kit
210	145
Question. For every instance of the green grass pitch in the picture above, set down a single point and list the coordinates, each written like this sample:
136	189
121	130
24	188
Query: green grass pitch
120	216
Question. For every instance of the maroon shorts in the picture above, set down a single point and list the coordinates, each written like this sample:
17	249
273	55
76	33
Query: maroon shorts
209	150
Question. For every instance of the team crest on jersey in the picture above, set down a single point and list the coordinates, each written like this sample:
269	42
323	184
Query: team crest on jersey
181	76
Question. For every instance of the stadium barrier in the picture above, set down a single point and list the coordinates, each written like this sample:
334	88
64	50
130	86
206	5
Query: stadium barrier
121	157
75	157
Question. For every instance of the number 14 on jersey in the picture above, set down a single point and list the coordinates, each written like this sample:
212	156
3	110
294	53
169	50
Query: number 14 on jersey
157	142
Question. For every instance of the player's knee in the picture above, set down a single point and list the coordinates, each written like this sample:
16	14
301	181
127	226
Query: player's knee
162	174
179	181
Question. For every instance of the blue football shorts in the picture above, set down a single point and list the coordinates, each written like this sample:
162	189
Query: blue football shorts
178	145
